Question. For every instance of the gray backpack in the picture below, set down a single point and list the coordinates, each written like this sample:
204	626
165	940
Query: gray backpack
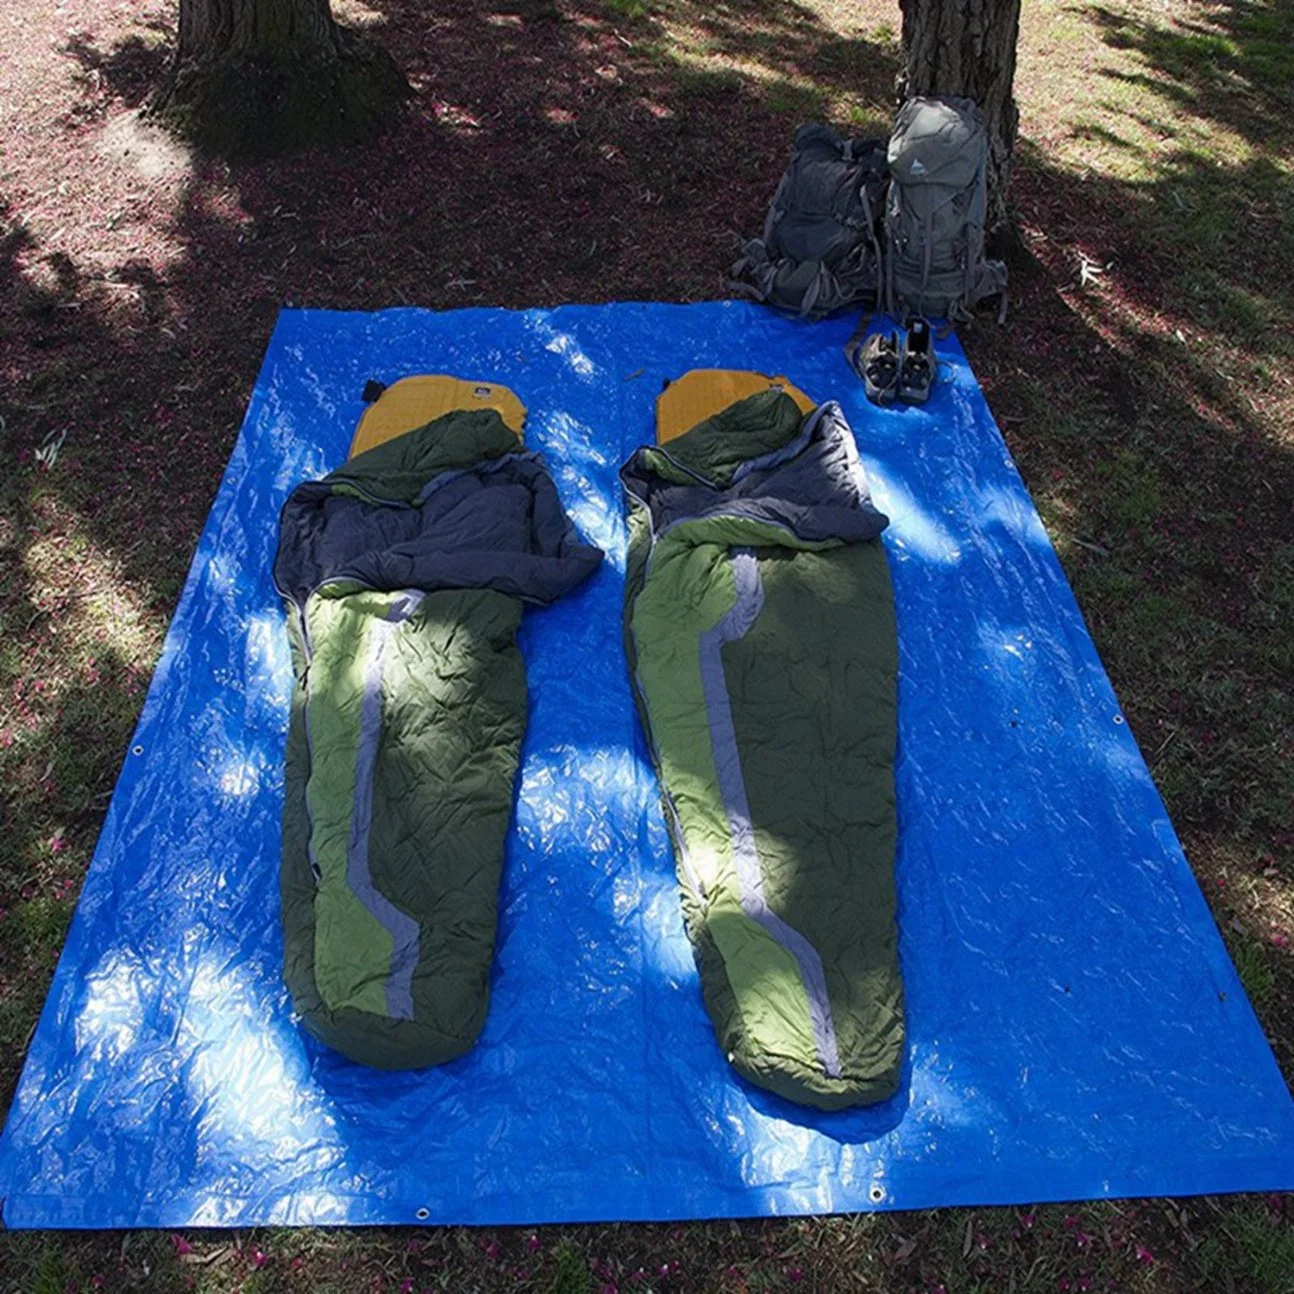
820	249
934	216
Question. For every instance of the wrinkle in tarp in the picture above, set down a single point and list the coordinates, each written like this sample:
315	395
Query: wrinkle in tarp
1075	1027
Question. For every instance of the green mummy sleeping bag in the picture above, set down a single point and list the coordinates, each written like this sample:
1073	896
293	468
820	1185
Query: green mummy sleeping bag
759	627
405	573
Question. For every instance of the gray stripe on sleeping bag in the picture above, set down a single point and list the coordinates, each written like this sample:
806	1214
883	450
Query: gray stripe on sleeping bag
732	788
402	928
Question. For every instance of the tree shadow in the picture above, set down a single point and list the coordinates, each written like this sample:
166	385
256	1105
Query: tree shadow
128	72
1235	68
61	731
550	154
1175	264
578	151
1142	407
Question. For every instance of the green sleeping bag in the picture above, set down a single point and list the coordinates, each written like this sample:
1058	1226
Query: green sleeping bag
405	573
759	627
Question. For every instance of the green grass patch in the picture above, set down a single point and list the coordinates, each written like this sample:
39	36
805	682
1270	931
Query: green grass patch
41	923
708	82
865	121
804	103
1254	968
1133	496
1276	605
571	1274
50	1274
1252	1249
1220	305
628	8
1247	47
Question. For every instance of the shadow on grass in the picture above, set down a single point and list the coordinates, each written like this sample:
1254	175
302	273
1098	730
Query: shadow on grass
1144	407
1165	429
1161	451
1234	66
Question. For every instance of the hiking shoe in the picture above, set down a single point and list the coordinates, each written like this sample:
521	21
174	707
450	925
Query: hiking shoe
916	363
878	366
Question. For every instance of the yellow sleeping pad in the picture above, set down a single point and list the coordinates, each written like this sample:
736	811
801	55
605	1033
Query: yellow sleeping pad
415	401
702	392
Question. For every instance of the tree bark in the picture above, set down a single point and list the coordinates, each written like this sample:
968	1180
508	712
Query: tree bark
967	48
266	76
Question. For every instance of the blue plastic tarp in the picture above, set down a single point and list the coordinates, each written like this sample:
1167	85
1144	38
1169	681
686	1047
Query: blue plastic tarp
1075	1026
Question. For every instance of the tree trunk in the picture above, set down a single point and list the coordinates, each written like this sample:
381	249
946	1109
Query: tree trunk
265	76
967	47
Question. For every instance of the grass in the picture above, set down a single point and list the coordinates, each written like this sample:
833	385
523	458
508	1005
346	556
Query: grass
804	103
1254	965
628	8
1149	405
1138	1248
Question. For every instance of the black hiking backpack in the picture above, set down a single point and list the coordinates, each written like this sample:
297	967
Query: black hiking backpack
820	249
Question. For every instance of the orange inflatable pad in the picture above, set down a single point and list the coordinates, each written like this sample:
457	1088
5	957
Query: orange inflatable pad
415	401
702	392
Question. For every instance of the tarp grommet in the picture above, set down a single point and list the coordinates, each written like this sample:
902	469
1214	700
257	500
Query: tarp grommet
137	750
876	1194
422	1214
